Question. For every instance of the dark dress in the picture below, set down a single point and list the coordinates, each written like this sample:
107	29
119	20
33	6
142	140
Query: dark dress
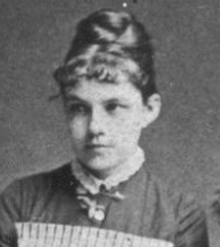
42	210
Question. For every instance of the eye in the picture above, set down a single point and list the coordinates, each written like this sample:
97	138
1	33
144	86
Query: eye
110	107
115	106
77	109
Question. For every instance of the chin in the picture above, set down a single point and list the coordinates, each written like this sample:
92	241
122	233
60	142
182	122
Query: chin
100	166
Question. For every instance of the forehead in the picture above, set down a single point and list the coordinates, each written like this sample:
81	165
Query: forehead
96	91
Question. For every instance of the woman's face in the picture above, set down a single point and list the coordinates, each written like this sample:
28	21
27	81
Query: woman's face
105	121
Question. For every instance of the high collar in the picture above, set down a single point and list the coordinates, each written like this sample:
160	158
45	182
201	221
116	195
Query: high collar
92	184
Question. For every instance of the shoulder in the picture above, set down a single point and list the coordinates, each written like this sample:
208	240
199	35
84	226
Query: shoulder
33	185
188	216
41	179
18	198
164	190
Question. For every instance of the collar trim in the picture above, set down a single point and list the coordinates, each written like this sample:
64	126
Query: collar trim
92	184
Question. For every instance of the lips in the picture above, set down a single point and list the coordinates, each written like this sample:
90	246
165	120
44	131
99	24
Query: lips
96	146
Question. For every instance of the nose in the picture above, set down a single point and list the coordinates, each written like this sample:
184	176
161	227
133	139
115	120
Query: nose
97	123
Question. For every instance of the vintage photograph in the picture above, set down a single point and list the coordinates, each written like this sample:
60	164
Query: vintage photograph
110	123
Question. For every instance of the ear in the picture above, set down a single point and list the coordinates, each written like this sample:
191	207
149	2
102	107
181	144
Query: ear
151	109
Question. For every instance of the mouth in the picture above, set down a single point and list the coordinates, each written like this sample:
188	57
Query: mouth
92	146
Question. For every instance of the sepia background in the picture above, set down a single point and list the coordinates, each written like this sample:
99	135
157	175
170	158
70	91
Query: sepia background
182	146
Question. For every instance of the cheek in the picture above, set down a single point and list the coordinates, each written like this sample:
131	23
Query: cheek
78	128
128	131
133	132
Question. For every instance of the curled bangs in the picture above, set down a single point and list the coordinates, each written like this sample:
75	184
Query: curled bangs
102	66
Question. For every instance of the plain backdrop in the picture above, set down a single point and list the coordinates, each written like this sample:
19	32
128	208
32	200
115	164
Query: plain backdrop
182	146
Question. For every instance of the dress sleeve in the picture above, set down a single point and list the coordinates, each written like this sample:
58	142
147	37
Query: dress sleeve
192	227
9	213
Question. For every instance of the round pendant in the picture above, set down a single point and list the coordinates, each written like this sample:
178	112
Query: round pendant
99	215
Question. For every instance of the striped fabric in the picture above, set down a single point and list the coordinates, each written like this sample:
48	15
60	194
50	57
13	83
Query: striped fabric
54	235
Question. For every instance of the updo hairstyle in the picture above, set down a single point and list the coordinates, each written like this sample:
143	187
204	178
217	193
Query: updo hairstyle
106	45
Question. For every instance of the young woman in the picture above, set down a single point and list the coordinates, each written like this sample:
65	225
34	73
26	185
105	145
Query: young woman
105	196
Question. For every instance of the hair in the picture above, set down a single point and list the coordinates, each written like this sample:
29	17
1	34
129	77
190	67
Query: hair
108	44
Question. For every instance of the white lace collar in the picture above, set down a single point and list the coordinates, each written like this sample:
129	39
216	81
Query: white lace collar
92	184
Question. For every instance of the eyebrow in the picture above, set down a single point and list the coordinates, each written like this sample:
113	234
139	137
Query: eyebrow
75	98
117	100
110	100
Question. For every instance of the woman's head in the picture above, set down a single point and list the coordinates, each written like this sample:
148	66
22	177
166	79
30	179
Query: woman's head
109	45
107	83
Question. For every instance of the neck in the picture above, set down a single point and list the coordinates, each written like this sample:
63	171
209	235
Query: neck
91	179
